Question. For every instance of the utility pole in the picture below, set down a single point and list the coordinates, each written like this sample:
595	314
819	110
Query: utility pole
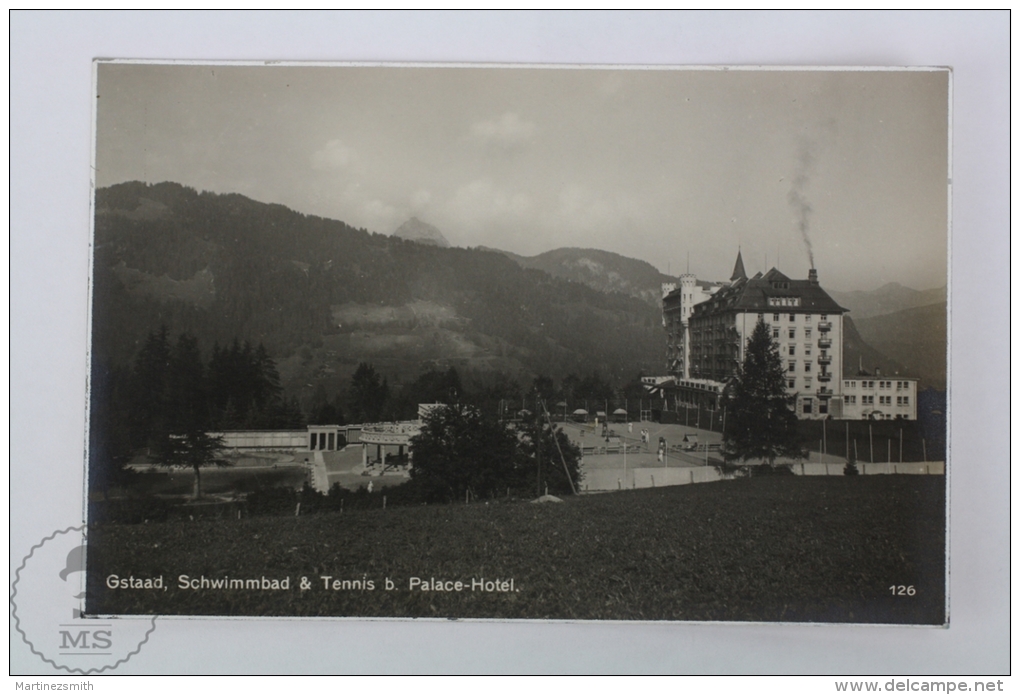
556	441
871	443
538	454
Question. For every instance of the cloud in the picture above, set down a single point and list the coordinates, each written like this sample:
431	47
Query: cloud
480	203
420	200
582	209
334	156
508	132
379	216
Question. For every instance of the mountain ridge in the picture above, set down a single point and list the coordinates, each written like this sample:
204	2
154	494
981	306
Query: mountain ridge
887	299
323	296
604	271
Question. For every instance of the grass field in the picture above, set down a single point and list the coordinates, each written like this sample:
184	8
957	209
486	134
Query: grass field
778	548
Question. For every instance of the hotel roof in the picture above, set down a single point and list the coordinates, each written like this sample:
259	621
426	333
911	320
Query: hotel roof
753	294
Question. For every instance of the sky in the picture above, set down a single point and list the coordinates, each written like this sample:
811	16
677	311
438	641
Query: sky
680	168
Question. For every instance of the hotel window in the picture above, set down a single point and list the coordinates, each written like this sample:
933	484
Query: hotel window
823	317
793	334
885	400
867	400
807	317
807	406
793	350
775	332
791	384
807	366
807	332
851	400
902	400
793	317
807	383
775	317
807	348
792	367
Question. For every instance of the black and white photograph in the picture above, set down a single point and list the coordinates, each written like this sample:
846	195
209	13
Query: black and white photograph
519	343
414	342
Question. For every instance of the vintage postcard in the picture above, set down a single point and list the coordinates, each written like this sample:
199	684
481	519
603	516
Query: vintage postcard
529	343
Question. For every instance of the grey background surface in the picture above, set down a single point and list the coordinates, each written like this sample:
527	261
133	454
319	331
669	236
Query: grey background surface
51	75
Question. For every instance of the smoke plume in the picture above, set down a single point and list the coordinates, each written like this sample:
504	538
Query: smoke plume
797	198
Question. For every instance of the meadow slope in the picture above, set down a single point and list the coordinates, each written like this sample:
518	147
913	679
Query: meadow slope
772	548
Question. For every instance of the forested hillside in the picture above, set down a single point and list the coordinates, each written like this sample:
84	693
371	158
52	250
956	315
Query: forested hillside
322	296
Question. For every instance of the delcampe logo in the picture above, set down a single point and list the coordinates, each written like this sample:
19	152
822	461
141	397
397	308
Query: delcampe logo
47	599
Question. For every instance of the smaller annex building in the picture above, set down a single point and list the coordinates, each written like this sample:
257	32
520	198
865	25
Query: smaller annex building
880	398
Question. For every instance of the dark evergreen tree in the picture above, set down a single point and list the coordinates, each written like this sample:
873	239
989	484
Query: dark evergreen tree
634	390
542	386
368	394
110	446
185	442
266	380
431	387
244	389
324	410
186	392
760	422
150	390
294	418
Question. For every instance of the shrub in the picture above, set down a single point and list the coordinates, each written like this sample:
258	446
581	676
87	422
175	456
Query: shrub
781	469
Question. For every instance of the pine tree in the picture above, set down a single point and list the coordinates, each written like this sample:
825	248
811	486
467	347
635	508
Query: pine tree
149	390
186	397
368	394
760	423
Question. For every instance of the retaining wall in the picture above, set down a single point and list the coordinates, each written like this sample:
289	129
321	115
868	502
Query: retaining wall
615	478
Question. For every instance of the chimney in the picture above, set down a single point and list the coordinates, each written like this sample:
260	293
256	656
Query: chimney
812	276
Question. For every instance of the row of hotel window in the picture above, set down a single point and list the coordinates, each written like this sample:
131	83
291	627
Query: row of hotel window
792	366
792	333
793	317
882	400
791	349
900	385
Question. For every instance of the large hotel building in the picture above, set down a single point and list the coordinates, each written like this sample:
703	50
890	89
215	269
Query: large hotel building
708	325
